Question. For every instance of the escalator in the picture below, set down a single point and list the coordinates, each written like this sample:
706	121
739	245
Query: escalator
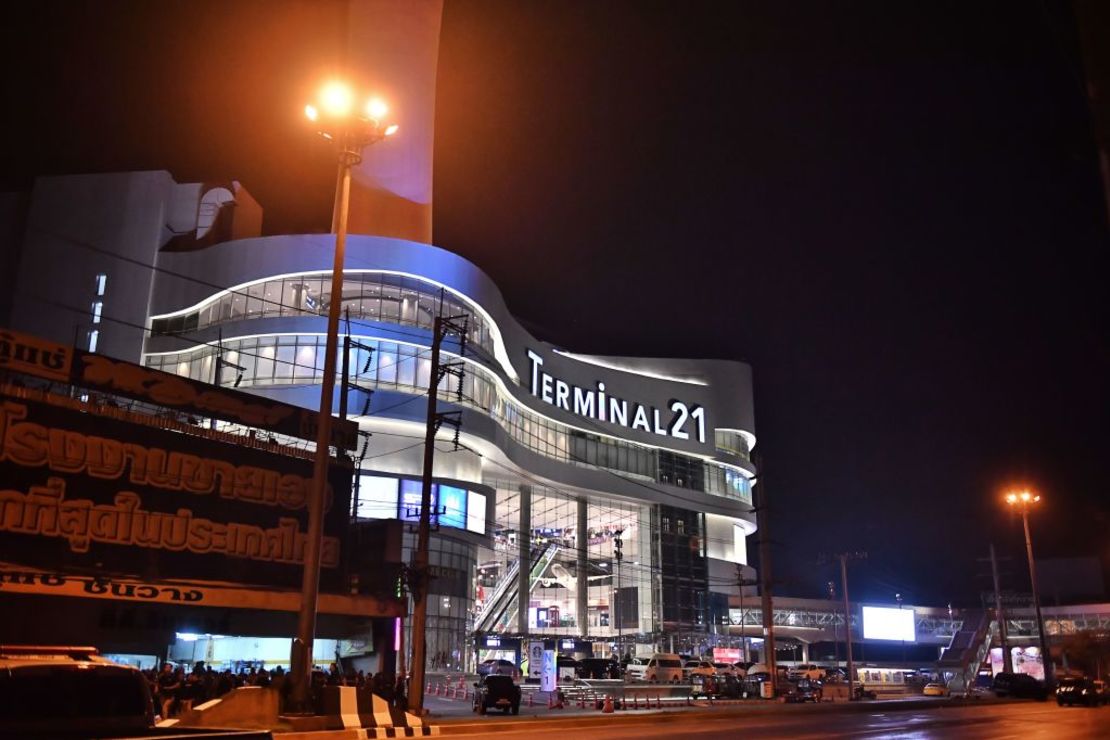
500	611
969	649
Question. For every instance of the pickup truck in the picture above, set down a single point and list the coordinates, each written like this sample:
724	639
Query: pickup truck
74	692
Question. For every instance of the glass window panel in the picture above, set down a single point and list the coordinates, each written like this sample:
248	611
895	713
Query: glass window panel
387	362
283	365
254	300
290	294
306	360
406	367
265	369
391	303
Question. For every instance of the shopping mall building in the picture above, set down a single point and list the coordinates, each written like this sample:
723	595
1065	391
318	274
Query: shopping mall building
563	460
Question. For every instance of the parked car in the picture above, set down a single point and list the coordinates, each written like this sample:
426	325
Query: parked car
664	668
1019	686
805	690
725	669
497	692
805	670
1072	691
935	689
720	686
636	669
74	692
566	667
498	667
697	667
598	668
740	670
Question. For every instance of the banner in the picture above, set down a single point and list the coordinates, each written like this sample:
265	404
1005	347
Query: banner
82	493
535	659
41	358
549	676
16	580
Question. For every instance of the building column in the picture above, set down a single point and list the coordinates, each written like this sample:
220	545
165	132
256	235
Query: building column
524	572
582	539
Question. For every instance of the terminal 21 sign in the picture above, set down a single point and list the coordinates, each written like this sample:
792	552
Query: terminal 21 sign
679	420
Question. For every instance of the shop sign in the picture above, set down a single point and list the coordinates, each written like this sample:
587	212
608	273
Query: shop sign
81	492
679	420
31	355
727	655
17	580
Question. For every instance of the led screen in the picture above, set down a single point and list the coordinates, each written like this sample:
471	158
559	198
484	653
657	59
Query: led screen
886	623
409	507
377	497
476	512
452	502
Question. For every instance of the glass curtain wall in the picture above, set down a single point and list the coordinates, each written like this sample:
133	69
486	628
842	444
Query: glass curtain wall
555	566
279	360
367	297
450	602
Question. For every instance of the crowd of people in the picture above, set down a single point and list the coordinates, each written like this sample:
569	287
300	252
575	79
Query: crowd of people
177	690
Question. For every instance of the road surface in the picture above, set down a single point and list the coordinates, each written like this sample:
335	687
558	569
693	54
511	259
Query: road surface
1011	721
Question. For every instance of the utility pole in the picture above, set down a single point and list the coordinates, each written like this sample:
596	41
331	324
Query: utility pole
1007	659
836	630
844	558
741	583
765	576
618	545
419	581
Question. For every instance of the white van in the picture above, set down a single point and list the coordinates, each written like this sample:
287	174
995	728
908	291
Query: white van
664	668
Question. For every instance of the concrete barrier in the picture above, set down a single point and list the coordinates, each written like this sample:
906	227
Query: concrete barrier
247	707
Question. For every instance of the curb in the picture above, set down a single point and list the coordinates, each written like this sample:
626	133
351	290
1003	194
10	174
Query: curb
362	733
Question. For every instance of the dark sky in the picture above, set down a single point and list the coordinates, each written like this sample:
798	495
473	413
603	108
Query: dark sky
891	210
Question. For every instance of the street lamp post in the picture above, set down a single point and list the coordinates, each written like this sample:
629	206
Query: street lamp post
351	130
1023	500
898	598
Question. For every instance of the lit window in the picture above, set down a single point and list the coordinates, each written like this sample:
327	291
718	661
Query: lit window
94	336
101	280
97	307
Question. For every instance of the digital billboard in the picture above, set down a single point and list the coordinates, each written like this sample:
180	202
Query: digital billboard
386	497
887	623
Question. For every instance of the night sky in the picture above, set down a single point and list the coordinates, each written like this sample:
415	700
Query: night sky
891	210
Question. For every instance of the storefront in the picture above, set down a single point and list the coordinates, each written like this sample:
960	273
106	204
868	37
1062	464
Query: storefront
130	520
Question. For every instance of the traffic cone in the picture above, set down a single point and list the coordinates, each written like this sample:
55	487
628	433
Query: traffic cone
608	708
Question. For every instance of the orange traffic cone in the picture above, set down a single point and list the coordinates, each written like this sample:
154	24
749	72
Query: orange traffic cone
608	708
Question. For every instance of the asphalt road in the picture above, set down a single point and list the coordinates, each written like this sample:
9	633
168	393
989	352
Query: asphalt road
1013	721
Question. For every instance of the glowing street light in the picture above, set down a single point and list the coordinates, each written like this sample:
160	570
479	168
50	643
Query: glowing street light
352	131
1024	500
